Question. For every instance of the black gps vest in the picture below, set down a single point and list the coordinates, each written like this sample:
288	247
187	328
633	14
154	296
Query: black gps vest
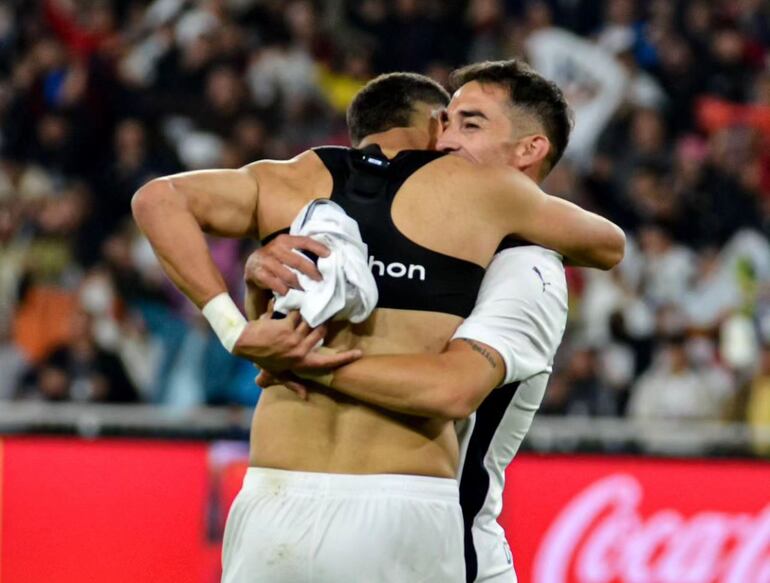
408	276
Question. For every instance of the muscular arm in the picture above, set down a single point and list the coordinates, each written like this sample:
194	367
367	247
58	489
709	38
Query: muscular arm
583	237
512	334
449	385
175	212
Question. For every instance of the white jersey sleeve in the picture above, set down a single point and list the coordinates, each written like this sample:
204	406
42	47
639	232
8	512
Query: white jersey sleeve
521	310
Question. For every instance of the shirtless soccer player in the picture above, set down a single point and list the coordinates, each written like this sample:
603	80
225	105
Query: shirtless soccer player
512	334
340	490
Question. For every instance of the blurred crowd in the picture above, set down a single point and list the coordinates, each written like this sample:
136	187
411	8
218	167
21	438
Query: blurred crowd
672	142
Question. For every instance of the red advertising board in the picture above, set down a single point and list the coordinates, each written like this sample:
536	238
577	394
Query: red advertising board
142	511
117	511
636	520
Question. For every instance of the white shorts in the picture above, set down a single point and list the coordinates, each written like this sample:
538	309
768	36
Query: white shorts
301	527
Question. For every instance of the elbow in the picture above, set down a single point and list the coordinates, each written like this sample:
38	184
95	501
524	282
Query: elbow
615	249
456	403
141	202
458	411
145	200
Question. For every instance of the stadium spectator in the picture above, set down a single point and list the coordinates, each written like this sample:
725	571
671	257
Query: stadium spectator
758	406
587	394
79	371
12	362
673	388
672	104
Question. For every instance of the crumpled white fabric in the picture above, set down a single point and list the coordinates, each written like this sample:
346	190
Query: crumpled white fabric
348	290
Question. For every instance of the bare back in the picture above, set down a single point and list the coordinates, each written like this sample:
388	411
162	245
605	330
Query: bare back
442	207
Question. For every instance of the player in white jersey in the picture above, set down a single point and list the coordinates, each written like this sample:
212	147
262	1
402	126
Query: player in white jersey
517	325
521	313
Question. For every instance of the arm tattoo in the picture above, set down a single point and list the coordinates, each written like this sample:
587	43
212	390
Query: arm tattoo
481	350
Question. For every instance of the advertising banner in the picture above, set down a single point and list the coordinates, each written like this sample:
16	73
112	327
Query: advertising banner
143	511
109	510
636	520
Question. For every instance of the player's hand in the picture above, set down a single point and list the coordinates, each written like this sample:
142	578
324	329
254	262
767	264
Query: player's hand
268	267
318	366
322	361
267	379
279	345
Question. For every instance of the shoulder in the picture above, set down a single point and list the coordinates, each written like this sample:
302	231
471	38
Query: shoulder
453	166
499	189
304	173
527	253
521	310
449	170
304	163
527	266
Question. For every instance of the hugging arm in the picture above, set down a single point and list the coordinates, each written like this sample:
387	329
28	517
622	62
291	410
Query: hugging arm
583	237
449	385
512	334
175	213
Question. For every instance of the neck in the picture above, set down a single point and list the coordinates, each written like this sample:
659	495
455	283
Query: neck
397	139
533	174
534	171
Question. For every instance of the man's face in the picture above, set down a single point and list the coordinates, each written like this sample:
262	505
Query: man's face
480	125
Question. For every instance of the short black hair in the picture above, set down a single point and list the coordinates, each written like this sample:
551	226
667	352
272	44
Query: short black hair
529	91
388	102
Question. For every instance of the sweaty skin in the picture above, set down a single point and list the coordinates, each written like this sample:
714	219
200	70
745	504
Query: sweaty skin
479	205
482	126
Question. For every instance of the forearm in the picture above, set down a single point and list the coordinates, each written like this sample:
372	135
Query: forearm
447	385
584	238
410	384
178	241
608	246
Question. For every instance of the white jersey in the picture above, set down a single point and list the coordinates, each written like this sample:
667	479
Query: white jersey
521	312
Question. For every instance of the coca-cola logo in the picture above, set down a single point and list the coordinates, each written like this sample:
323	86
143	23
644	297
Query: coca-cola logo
601	537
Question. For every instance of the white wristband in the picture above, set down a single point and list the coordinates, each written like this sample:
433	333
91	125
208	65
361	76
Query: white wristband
225	318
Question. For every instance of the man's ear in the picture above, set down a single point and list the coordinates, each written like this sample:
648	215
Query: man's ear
533	149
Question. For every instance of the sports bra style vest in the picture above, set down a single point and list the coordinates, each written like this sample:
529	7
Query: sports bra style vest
408	276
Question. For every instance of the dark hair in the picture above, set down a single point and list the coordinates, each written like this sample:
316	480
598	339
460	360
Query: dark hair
651	166
675	339
388	102
529	91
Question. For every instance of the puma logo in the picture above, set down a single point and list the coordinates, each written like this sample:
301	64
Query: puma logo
542	279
